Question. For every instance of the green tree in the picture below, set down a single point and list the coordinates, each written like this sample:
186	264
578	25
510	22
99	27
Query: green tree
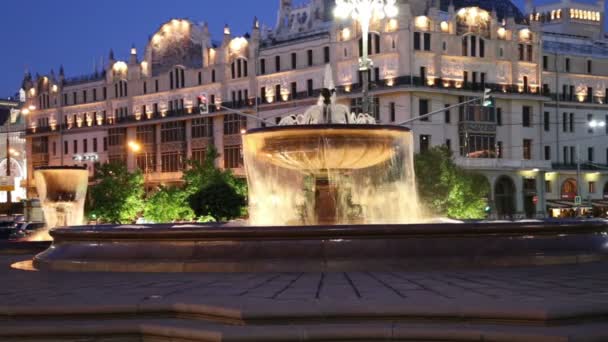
448	190
205	177
117	194
168	205
219	200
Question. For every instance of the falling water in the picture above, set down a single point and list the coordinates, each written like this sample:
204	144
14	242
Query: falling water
331	174
62	193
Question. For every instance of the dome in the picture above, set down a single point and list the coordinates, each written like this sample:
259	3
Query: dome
503	8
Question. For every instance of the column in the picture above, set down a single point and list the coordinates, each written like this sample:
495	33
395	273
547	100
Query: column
158	146
188	140
218	139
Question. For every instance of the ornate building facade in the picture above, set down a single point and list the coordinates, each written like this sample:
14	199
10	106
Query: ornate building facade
546	67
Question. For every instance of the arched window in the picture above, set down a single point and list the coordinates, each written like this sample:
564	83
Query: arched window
373	44
569	189
504	196
239	68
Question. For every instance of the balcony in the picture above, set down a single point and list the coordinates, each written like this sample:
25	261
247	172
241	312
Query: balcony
502	164
584	166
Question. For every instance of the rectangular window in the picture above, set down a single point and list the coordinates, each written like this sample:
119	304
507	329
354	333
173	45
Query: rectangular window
547	152
417	41
423	108
202	128
447	114
565	122
571	122
547	122
567	66
427	41
105	93
448	144
294	61
392	111
213	79
526	116
545	62
591	187
277	63
482	48
425	142
233	124
173	131
589	66
548	186
521	52
171	162
590	154
294	90
200	78
85	146
156	86
95	145
105	144
473	46
65	147
309	87
74	98
233	157
263	66
310	57
326	55
499	116
530	54
499	151
75	147
527	151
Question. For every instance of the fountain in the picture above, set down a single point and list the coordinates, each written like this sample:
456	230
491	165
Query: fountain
329	166
329	191
62	192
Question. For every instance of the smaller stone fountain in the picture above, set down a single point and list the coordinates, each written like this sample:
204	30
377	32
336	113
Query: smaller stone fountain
62	192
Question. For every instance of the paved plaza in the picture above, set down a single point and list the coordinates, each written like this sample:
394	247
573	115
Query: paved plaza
549	303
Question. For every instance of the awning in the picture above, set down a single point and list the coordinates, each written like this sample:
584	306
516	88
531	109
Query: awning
563	204
600	203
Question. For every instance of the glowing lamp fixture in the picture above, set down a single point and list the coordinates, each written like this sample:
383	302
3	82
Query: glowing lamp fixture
444	26
134	146
596	124
502	33
345	33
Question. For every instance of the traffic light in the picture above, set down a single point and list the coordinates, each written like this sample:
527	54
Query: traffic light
203	104
488	100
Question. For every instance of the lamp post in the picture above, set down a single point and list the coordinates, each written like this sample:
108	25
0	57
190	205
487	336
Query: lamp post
592	124
364	11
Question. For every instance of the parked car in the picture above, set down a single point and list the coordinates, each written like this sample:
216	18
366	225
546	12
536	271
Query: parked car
25	229
6	229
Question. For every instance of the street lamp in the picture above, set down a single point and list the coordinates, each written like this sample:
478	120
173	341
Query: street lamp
363	11
137	147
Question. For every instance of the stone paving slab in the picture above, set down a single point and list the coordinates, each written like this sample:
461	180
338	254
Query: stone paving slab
552	303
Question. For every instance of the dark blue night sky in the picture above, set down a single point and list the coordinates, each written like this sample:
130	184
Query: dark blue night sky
43	34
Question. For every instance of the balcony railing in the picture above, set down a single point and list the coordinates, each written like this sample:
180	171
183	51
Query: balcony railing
503	164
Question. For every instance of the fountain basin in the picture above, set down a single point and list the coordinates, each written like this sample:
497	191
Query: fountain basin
316	148
216	248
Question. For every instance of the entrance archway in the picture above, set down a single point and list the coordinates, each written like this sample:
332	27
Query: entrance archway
569	189
504	196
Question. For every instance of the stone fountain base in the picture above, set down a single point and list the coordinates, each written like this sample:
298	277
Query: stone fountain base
204	248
